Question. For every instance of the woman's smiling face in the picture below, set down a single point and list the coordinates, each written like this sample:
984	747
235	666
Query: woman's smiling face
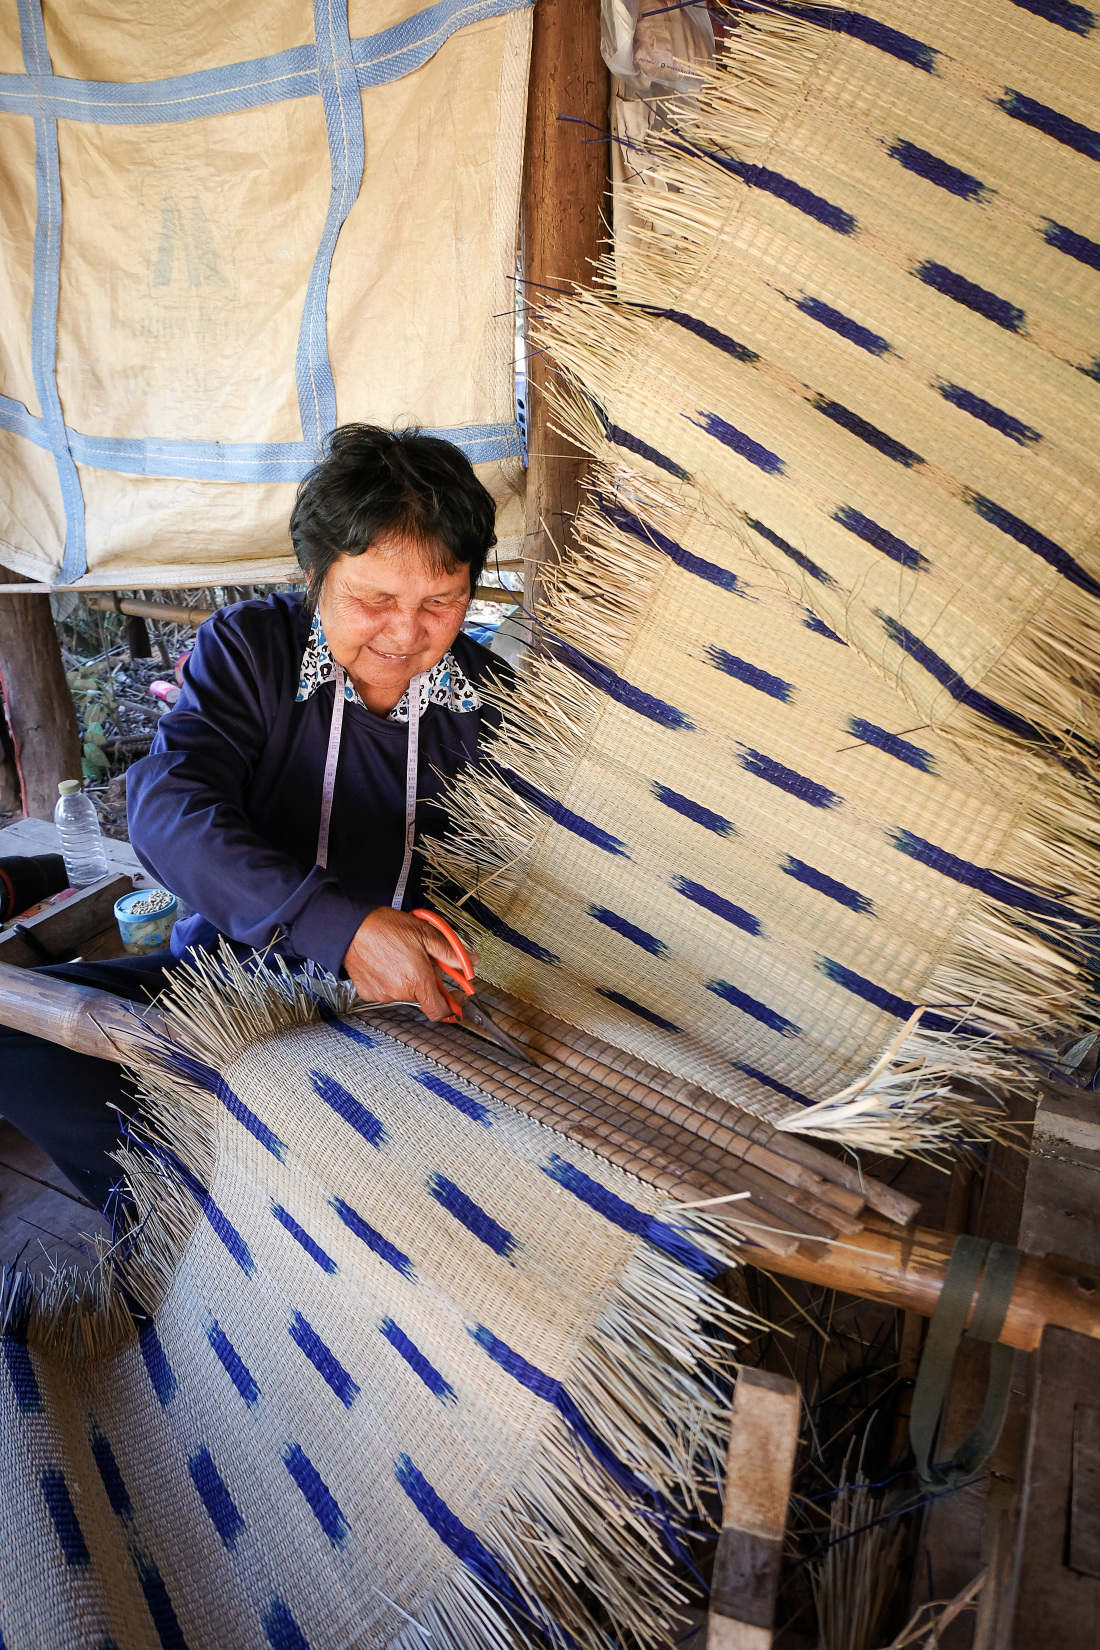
391	613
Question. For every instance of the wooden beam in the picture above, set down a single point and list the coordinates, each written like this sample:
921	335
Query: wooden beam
37	702
565	172
151	610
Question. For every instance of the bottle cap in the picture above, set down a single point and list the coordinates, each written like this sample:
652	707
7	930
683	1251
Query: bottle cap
68	787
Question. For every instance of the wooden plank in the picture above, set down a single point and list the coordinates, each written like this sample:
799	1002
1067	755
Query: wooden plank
36	700
63	929
763	1438
1084	1512
42	1219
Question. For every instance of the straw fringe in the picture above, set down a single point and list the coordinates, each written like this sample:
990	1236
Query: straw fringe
651	1381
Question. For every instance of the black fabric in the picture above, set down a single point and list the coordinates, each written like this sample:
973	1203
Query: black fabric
69	1103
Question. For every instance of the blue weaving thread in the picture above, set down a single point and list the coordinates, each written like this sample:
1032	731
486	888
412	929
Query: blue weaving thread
940	172
950	679
625	1215
59	1504
420	1366
220	1223
471	1215
511	936
867	989
353	1111
1065	14
797	556
1042	118
753	676
374	1240
301	1236
324	1361
104	1457
563	816
740	443
772	1083
627	522
634	444
47	275
280	1628
220	1506
321	1501
205	1077
844	326
870	433
157	1366
972	296
232	1362
1071	243
467	1547
1031	538
795	784
811	621
639	1009
706	817
838	891
880	538
985	881
769	1017
343	108
711	335
158	1603
464	1103
997	419
622	691
24	1382
893	744
629	931
724	908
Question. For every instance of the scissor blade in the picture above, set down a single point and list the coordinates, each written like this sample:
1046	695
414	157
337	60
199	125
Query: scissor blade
476	1019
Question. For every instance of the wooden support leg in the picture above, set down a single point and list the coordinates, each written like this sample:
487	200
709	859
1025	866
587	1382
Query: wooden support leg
763	1435
36	699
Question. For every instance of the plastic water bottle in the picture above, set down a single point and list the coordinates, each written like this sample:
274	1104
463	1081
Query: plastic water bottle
81	838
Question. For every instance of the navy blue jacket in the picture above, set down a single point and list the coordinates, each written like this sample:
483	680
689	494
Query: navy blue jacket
225	809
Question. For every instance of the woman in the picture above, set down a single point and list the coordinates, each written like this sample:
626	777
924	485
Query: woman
309	733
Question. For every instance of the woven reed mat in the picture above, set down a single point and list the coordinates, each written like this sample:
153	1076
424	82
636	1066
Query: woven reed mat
813	738
381	1362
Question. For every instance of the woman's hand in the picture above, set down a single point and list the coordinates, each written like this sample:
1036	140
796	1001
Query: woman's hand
395	958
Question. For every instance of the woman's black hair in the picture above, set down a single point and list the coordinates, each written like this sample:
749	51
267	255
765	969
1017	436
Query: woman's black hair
374	481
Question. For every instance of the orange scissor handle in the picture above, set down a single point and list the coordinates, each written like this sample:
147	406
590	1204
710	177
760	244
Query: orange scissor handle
462	970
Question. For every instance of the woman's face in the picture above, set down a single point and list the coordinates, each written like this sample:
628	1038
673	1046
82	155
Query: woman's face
388	615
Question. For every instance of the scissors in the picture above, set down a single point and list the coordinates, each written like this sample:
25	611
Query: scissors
466	1010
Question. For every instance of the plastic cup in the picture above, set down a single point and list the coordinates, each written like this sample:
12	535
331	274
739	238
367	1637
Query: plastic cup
145	931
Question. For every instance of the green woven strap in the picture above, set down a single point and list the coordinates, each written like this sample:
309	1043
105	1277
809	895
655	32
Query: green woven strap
945	1331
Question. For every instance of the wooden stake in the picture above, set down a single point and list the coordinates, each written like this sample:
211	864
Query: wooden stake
37	703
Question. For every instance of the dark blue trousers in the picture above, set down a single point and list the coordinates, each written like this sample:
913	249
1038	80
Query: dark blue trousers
70	1104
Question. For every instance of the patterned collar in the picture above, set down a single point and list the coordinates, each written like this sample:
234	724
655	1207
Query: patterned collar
444	684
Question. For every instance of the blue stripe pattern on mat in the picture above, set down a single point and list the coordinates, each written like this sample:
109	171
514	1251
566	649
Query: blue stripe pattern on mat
740	443
811	621
322	1503
24	1382
706	817
220	1224
158	1603
633	444
860	27
795	784
972	296
464	1103
752	675
950	679
104	1457
885	444
711	335
637	1008
1060	127
205	1077
892	744
351	1032
1065	14
471	1215
985	881
220	1506
997	419
232	1362
769	1017
466	1546
1072	244
880	538
280	1628
625	1215
877	995
626	522
1033	540
628	930
324	1361
623	692
301	1236
432	1379
791	192
511	936
59	1504
715	903
797	556
844	326
374	1240
563	816
47	278
940	172
838	891
157	1366
772	1083
353	1111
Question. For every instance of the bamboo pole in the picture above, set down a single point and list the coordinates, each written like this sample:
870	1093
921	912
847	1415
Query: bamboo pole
106	603
37	703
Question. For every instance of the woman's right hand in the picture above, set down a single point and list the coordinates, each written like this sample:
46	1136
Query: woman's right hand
395	957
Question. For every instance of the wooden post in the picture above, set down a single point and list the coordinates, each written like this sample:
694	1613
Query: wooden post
565	171
37	703
763	1436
